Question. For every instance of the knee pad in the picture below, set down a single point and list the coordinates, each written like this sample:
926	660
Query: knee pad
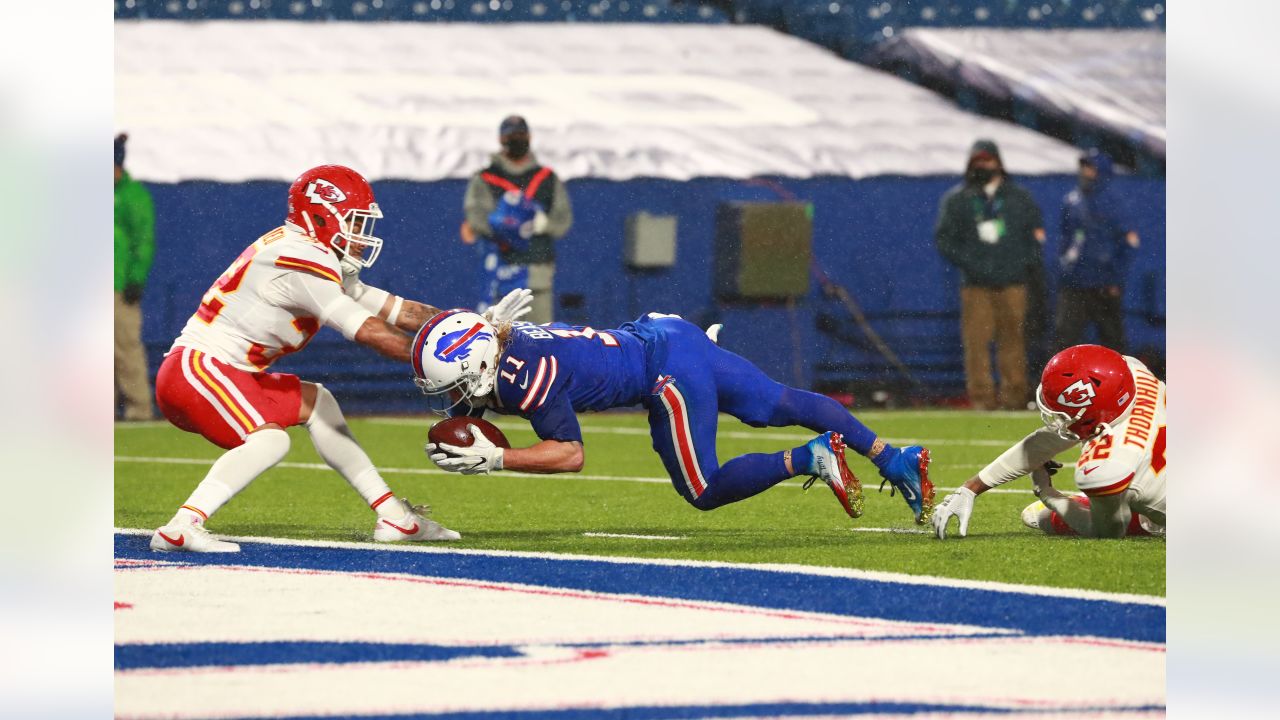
272	443
325	408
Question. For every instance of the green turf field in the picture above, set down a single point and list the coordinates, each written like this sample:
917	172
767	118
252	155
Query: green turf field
303	499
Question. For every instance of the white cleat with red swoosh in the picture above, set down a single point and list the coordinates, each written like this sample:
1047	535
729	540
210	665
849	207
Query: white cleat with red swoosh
413	526
187	536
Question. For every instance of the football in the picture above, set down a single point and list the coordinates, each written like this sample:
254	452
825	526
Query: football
453	431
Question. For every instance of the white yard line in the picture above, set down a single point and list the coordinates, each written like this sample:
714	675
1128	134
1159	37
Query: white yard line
434	471
769	567
634	537
894	530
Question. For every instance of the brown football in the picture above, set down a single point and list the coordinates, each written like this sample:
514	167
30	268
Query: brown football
453	431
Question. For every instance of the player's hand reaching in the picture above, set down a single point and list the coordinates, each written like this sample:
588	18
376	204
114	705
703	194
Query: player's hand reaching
513	306
480	458
1042	480
958	504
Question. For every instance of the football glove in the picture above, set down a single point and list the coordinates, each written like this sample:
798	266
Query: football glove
1042	480
481	458
958	504
513	306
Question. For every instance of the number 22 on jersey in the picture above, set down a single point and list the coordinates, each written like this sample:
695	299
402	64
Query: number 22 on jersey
229	282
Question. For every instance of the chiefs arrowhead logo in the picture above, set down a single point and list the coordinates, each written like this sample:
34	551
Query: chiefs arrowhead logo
1079	394
322	191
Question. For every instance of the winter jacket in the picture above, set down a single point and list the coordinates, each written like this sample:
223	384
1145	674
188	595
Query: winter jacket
135	233
1093	251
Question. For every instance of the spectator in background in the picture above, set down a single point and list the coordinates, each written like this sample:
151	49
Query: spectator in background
1097	241
990	228
135	246
519	208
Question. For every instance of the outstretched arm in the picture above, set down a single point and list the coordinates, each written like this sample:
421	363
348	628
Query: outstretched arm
405	314
548	456
1031	453
483	457
383	338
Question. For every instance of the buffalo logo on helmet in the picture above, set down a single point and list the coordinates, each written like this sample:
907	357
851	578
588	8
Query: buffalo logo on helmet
457	345
322	191
1079	394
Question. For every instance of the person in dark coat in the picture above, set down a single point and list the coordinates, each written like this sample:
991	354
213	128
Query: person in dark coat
991	229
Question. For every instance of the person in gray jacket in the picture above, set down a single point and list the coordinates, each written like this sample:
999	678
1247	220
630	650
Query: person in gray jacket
517	208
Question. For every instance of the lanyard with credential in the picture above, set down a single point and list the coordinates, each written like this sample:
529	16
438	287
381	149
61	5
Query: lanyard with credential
980	207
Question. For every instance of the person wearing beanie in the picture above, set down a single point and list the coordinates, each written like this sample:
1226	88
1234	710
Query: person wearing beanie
516	209
1097	245
135	247
991	229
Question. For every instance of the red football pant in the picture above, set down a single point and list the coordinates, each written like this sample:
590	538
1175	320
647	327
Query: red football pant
204	395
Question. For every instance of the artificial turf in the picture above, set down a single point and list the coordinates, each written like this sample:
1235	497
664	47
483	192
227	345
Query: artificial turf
553	513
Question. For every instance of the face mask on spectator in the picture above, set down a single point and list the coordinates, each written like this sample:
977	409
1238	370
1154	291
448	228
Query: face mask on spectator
980	175
516	146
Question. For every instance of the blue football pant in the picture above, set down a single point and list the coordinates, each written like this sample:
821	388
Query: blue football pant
698	381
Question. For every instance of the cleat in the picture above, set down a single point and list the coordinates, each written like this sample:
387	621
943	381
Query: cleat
908	473
829	466
182	535
1031	515
414	526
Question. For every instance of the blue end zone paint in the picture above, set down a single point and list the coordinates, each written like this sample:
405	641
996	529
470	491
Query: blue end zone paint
1030	614
181	655
760	710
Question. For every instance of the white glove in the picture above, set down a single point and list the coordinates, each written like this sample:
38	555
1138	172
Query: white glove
513	306
481	458
351	284
1042	480
539	223
959	504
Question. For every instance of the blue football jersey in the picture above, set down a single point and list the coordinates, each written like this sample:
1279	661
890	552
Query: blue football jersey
548	373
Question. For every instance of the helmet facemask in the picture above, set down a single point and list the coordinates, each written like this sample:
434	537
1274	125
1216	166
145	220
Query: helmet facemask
1056	420
355	243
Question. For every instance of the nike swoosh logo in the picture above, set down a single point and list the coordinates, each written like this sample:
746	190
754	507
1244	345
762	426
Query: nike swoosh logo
906	490
182	539
525	384
410	531
1091	469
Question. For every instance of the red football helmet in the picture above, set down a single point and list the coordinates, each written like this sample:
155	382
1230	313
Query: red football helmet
334	205
1083	390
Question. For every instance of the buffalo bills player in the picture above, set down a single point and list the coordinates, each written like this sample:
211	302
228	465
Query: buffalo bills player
548	373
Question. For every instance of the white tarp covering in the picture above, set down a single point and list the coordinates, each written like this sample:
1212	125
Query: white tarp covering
235	101
1112	79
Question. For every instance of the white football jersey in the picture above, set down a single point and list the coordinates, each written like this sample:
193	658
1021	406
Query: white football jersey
271	301
1132	455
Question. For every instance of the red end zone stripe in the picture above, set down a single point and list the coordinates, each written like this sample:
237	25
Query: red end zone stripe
314	268
1111	489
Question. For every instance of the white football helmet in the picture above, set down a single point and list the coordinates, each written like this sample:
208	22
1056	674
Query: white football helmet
455	359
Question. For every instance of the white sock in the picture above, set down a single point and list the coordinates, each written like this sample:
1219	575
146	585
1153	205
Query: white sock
339	449
233	472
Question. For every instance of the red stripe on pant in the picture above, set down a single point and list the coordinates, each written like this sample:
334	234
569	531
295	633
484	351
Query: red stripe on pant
684	443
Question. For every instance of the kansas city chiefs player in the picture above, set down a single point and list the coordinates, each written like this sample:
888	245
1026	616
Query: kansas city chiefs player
270	302
1115	407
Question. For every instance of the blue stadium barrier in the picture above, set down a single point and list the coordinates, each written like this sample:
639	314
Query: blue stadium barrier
874	236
